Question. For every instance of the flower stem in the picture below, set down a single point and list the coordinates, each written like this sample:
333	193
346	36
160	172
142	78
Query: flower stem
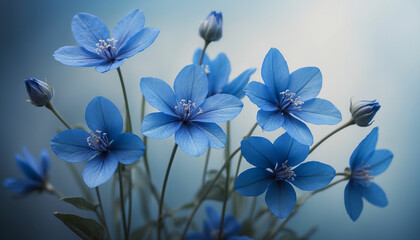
203	197
206	44
102	217
52	109
350	122
301	201
122	200
130	200
227	150
50	188
162	195
142	114
127	109
206	165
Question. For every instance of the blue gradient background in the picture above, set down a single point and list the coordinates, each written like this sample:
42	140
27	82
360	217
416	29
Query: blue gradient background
365	50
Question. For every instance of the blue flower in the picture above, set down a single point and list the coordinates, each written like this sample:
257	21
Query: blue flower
363	112
218	75
98	48
36	173
105	147
285	97
231	228
211	28
187	112
365	163
275	170
40	92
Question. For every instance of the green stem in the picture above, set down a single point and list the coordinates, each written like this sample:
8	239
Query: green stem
122	200
206	165
206	44
142	114
301	201
52	109
130	199
127	109
102	218
254	204
227	152
350	122
50	188
162	195
203	197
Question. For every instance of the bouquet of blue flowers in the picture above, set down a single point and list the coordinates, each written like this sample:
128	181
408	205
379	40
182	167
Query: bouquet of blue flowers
201	102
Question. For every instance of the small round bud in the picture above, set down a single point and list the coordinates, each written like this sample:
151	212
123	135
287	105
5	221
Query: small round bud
211	27
363	112
40	92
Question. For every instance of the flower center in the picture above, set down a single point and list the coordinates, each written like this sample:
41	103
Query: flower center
284	172
362	175
99	141
106	48
186	108
289	101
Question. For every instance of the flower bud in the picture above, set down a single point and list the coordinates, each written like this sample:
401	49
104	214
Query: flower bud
211	27
40	92
363	112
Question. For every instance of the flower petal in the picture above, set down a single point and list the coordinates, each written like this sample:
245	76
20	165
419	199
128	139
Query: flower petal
195	236
191	84
318	111
291	150
197	55
374	194
127	147
253	182
364	150
236	87
100	169
240	238
21	186
217	138
298	130
231	227
128	26
27	169
219	108
88	30
77	57
191	140
213	217
72	146
45	162
219	73
102	115
306	82
275	72
259	94
270	121
138	42
280	198
353	201
379	161
311	176
108	65
259	152
159	94
160	125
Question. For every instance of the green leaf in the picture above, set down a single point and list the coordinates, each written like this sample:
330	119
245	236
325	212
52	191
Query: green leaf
144	232
86	228
81	203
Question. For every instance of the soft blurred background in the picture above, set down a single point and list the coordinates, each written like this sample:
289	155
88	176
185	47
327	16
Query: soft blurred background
365	50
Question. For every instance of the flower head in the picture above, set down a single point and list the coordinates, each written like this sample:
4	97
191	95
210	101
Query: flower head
231	228
36	173
100	49
363	112
211	27
104	147
365	163
275	169
187	112
40	92
285	97
218	71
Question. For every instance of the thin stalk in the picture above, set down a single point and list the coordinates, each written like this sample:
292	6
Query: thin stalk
142	114
301	201
162	195
203	197
350	122
50	188
102	218
127	109
206	165
122	200
227	152
254	204
52	109
130	200
206	44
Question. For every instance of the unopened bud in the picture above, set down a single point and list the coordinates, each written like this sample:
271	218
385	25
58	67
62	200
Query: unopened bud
363	112
211	27
40	92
